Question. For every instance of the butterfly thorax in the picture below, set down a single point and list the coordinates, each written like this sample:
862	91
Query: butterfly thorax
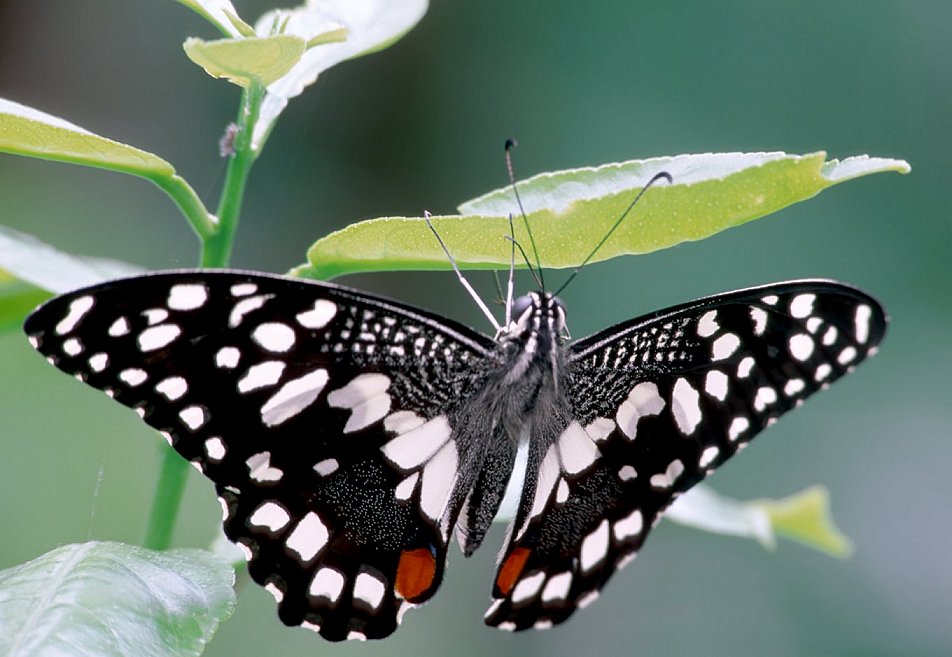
523	397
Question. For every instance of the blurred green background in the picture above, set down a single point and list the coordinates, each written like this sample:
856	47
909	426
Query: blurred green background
421	126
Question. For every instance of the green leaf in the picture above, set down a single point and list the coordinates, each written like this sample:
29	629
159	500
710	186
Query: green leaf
245	60
114	600
38	263
370	25
26	131
17	299
804	517
221	14
571	211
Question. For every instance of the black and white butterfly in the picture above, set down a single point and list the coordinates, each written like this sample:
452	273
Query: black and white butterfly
349	437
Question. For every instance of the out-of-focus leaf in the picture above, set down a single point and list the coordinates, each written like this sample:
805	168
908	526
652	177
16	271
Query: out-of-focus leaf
17	299
571	211
245	60
36	262
806	517
370	25
114	600
27	131
221	14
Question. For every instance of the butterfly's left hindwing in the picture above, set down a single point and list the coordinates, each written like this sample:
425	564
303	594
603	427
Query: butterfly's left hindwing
315	410
658	403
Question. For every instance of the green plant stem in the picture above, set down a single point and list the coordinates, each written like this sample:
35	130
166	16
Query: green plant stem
217	238
188	202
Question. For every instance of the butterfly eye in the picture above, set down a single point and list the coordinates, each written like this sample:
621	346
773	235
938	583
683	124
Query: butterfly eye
520	305
557	303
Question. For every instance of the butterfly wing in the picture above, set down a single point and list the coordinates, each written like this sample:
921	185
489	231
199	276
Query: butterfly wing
318	412
659	403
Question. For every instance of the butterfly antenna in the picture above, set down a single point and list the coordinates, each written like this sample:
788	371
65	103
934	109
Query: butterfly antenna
512	272
540	279
459	275
655	178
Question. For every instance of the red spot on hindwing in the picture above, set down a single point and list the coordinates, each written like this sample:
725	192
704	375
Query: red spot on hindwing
415	574
511	569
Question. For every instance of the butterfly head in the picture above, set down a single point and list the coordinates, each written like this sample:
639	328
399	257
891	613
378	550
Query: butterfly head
535	312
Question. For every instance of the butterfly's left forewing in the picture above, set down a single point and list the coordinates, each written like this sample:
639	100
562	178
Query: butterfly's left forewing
319	413
656	404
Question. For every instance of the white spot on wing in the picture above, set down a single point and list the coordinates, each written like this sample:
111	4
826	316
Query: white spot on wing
793	386
801	346
370	589
708	456
594	547
685	406
78	308
802	305
274	336
759	317
260	469
744	367
557	588
227	357
270	515
261	375
830	336
327	583
275	592
119	327
308	538
600	428
405	488
155	315
402	422
98	362
187	296
172	388
707	325
861	322
668	478
546	480
627	473
562	494
715	384
738	426
629	526
576	450
847	355
822	371
193	417
293	397
73	347
413	448
765	397
366	396
770	299
133	376
243	289
318	316
156	337
326	467
725	346
528	587
244	307
643	400
215	449
439	475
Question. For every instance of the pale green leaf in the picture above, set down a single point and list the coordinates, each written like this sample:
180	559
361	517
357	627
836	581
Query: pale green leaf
370	25
571	211
17	299
27	131
804	517
114	600
38	263
244	60
221	14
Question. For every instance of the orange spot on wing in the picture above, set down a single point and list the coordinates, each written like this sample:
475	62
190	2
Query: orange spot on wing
415	573
511	569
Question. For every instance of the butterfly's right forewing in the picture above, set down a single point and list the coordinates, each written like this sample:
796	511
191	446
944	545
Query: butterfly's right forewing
322	415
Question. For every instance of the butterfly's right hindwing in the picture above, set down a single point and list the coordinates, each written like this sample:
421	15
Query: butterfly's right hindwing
323	416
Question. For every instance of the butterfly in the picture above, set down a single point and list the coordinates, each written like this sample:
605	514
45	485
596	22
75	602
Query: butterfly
351	438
